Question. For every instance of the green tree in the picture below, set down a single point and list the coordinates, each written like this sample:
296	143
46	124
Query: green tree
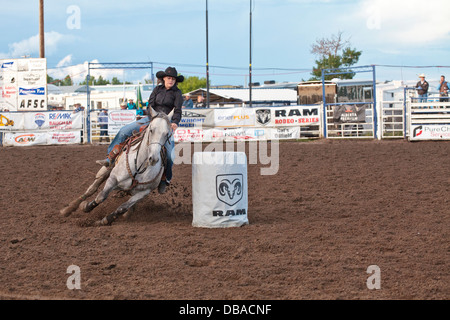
101	82
192	83
115	80
334	52
91	81
67	81
50	79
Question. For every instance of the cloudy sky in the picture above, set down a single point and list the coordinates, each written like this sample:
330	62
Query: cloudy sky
172	32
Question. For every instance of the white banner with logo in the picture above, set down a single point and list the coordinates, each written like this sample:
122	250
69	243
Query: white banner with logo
119	118
236	134
23	84
287	116
22	139
11	121
430	132
234	117
195	118
55	120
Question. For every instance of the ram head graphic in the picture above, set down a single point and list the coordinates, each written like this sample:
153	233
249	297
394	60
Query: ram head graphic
230	188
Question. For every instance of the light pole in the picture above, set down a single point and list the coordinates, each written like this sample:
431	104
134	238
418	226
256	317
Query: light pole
250	64
207	58
41	29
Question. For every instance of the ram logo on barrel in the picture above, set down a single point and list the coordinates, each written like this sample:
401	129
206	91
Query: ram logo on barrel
229	188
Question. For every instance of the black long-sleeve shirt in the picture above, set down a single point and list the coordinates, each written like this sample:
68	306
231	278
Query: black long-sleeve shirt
163	100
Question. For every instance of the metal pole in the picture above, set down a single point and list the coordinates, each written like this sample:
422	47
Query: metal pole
88	105
375	113
153	77
207	58
41	29
250	64
325	133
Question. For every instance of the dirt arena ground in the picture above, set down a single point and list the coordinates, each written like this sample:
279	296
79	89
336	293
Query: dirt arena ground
334	209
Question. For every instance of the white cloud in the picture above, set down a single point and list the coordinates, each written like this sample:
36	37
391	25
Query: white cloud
412	22
30	46
66	61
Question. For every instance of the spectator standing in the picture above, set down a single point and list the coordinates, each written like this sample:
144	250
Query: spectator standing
422	89
443	90
103	122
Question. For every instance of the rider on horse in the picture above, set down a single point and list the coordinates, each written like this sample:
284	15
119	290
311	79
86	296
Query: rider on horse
164	98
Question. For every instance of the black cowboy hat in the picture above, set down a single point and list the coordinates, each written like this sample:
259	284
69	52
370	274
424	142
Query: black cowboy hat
170	72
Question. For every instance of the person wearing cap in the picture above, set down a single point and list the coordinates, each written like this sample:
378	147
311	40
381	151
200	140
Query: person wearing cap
422	89
164	98
123	106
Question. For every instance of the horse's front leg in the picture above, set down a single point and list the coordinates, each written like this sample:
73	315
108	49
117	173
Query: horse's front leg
101	176
110	184
122	209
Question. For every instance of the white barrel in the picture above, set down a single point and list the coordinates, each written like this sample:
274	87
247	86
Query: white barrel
219	189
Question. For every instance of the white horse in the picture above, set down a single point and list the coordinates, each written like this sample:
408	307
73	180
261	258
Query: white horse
137	171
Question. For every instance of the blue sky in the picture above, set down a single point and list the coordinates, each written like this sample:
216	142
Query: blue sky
389	32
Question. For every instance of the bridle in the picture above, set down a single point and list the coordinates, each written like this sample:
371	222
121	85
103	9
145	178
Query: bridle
141	169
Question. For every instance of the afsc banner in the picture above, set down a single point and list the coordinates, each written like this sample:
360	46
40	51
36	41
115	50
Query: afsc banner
23	84
55	121
234	117
118	119
287	116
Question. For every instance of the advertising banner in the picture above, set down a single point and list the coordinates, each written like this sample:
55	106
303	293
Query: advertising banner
23	84
189	135
430	132
56	120
11	121
23	139
350	114
234	117
119	118
287	116
70	137
284	133
195	118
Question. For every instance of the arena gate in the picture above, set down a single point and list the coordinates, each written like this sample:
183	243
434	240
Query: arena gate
353	114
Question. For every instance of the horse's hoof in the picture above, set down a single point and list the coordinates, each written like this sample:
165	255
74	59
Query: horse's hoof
102	223
88	206
65	212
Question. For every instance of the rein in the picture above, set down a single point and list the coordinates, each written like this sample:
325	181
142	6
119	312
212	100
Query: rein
141	170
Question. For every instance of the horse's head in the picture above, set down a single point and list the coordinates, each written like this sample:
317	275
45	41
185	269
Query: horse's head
158	132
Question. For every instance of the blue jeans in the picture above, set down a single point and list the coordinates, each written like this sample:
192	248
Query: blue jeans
127	131
423	98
